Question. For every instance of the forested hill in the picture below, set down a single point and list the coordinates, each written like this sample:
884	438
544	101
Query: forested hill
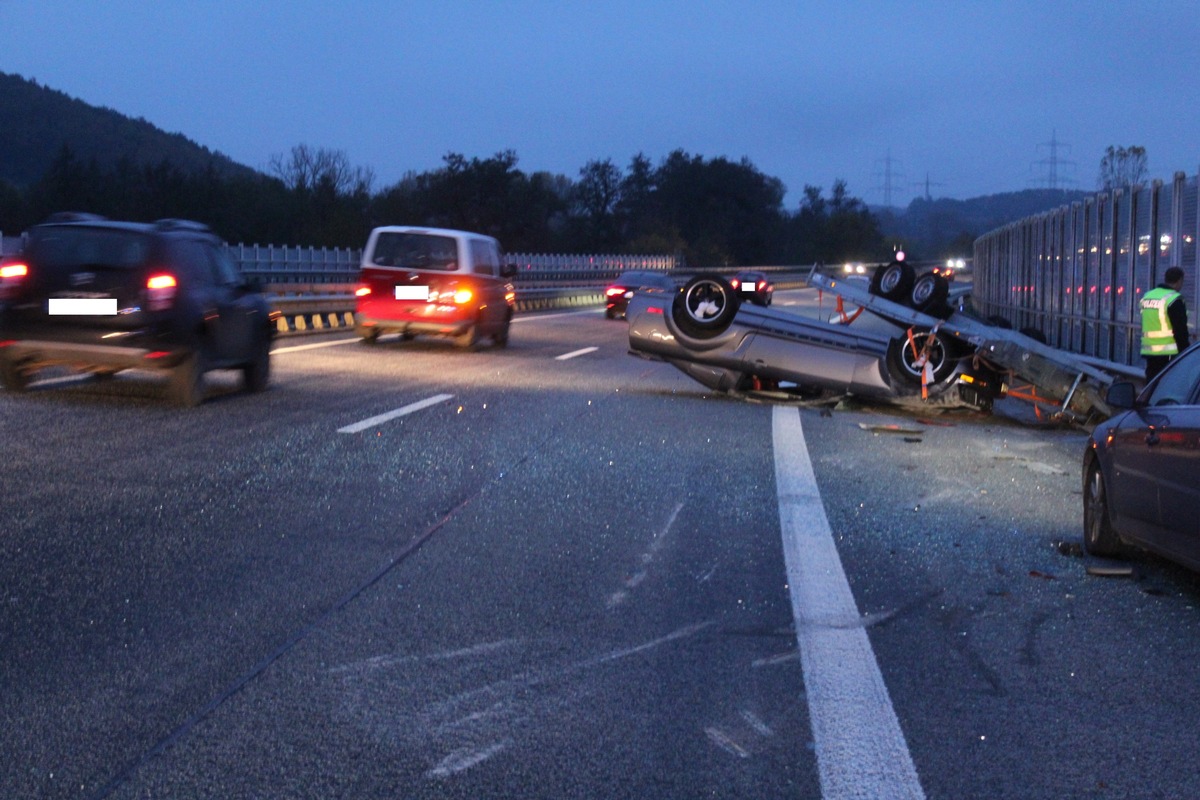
36	121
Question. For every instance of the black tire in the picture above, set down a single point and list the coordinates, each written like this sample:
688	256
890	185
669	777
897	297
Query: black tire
902	359
893	281
256	373
608	312
369	335
929	293
705	307
1099	536
186	385
500	338
468	338
12	376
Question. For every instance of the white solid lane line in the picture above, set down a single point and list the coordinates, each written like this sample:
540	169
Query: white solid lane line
860	748
399	412
298	347
576	353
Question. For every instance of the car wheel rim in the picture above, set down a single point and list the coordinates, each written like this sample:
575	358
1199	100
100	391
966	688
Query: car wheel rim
1094	510
923	291
704	301
912	352
890	280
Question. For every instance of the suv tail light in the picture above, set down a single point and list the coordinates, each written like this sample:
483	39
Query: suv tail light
11	277
160	291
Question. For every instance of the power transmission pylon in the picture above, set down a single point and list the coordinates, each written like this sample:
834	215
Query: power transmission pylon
1052	163
889	176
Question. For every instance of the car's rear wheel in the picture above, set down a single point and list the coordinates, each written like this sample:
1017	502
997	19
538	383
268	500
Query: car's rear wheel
12	376
1099	536
468	338
706	307
186	385
369	335
907	358
500	337
893	281
257	372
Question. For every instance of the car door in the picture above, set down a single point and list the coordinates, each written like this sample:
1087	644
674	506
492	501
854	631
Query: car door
1173	455
226	323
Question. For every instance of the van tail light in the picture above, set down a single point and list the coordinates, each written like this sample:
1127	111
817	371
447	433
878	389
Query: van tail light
160	291
362	291
11	278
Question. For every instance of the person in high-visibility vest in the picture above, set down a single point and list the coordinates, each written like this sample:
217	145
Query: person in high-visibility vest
1164	323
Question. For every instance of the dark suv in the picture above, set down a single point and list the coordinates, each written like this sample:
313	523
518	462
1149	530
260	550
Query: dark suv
102	296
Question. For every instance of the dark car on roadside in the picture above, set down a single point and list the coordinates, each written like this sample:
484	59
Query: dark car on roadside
753	286
101	296
434	281
1141	468
618	293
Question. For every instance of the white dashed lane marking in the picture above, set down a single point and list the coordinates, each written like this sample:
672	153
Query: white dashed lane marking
391	415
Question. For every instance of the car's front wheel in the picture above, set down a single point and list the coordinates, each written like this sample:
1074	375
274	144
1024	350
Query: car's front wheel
1099	536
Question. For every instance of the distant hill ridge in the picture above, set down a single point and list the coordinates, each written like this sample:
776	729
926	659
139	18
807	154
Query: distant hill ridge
36	121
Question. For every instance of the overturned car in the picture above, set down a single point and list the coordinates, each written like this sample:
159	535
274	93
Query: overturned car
919	350
729	346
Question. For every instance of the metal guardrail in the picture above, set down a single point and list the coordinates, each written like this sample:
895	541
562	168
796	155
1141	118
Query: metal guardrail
318	306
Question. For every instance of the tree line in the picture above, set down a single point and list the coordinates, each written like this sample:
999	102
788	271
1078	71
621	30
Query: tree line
707	211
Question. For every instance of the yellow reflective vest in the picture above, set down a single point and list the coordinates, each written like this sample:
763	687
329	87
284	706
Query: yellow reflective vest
1158	338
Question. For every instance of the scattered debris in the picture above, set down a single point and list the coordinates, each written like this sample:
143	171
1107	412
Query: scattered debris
1072	549
1119	571
866	426
1033	573
913	439
935	423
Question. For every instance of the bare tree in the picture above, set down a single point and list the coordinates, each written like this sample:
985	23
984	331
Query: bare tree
1122	166
306	168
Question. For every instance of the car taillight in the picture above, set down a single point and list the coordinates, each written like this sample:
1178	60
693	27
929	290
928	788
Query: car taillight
614	291
11	277
160	292
762	286
734	283
362	291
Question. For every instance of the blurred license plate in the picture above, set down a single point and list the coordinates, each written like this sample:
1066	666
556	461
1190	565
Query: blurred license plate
82	306
412	293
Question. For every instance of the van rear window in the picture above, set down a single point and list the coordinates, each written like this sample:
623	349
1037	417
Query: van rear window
415	251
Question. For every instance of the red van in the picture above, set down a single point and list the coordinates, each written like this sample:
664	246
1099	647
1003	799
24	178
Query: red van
434	281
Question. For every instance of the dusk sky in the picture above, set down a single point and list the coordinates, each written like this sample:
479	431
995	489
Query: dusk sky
966	94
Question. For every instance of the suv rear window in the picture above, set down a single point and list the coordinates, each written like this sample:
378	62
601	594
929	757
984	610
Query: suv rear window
415	251
65	248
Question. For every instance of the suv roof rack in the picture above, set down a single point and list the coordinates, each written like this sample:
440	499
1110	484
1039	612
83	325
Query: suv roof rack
171	224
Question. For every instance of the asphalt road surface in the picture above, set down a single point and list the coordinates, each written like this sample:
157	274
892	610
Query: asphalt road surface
555	570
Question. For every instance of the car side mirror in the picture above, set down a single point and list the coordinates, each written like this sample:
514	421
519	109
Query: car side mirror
1121	395
508	271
